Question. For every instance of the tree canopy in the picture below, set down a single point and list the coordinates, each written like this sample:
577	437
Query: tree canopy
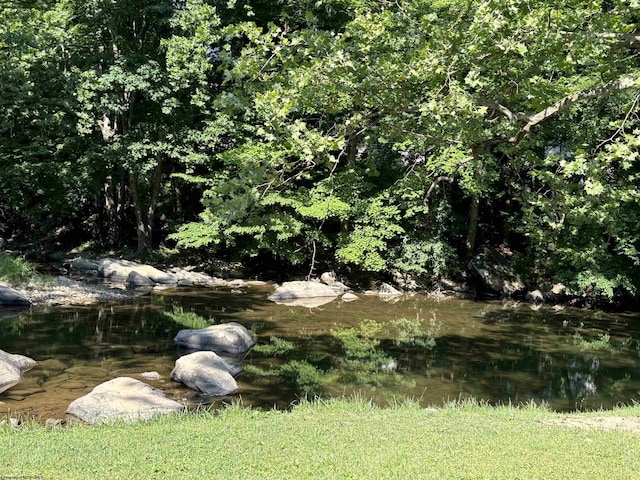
358	135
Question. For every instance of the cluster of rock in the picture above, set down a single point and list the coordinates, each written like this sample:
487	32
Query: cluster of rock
139	275
211	366
496	275
210	356
125	279
209	369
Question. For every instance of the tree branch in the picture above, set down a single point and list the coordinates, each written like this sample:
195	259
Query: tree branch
630	40
442	178
511	117
619	84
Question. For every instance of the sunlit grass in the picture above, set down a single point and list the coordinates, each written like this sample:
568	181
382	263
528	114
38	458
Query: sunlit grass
331	439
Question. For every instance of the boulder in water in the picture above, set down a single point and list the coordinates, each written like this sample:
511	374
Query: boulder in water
301	289
227	338
205	372
122	398
11	298
12	367
117	269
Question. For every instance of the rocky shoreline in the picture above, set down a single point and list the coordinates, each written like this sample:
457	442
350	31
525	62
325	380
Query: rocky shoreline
107	280
65	291
88	280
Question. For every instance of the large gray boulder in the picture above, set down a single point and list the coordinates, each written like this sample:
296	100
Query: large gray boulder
205	372
328	278
83	265
117	269
301	289
12	367
228	338
135	280
495	273
125	399
10	298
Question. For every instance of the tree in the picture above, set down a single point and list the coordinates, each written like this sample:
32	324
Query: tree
38	179
352	134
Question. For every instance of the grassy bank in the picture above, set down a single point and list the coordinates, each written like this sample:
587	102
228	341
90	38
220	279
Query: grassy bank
15	270
333	440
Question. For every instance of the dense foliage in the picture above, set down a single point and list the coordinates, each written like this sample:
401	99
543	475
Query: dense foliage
359	135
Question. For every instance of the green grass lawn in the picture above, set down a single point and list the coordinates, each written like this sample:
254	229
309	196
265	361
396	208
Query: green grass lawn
334	439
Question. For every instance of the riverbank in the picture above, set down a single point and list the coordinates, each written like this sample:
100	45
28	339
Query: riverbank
337	439
64	291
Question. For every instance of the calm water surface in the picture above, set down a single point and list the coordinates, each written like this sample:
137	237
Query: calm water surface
409	347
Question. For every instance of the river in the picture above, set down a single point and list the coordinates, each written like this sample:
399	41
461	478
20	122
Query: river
383	349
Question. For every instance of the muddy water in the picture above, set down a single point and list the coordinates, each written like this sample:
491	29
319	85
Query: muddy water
412	347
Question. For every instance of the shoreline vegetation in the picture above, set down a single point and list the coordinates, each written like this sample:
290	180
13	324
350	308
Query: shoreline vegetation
46	290
337	439
76	288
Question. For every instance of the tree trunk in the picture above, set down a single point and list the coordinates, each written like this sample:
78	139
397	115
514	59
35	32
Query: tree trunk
121	207
472	232
143	233
155	195
144	224
110	209
474	208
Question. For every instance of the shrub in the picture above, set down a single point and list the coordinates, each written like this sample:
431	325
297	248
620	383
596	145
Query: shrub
16	269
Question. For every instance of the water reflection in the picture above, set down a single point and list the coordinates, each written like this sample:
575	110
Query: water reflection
415	347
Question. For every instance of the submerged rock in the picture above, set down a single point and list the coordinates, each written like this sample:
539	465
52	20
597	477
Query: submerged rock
205	372
231	338
312	302
122	398
12	367
120	269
